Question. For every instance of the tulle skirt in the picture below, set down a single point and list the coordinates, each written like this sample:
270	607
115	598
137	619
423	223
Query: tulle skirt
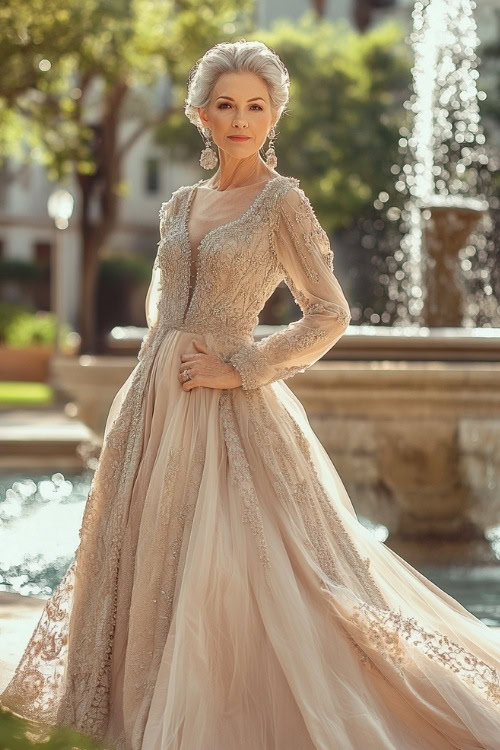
236	603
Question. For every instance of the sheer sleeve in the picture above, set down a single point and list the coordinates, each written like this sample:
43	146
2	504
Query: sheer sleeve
303	251
154	291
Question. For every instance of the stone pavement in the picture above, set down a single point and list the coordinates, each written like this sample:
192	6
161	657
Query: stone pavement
32	438
18	617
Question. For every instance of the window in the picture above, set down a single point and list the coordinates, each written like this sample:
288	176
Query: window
42	252
152	175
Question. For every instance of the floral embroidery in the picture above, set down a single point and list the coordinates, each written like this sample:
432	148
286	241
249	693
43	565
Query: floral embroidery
314	504
251	360
295	348
64	675
395	636
239	465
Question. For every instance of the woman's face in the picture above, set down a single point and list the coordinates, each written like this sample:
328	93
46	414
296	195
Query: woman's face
239	106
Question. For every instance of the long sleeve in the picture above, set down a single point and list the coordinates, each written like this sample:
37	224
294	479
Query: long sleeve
154	291
303	251
153	295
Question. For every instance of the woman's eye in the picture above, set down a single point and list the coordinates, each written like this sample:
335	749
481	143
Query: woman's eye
220	106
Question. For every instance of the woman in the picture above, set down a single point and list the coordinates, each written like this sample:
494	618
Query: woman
224	595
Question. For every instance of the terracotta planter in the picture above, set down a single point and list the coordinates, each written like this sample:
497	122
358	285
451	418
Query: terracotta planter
27	363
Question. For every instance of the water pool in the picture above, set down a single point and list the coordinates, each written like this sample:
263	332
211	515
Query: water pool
41	514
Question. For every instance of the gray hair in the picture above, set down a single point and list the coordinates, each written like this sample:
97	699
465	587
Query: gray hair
234	57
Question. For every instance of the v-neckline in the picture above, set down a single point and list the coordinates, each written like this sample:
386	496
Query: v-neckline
188	245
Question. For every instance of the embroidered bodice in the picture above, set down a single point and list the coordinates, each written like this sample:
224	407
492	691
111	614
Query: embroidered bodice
213	275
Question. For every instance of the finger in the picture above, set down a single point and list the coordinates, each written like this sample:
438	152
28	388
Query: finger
187	365
189	385
201	347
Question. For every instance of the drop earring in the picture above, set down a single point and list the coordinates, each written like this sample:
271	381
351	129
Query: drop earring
271	159
208	158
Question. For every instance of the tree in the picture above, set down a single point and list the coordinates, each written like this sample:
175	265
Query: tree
341	131
341	138
340	134
363	11
70	75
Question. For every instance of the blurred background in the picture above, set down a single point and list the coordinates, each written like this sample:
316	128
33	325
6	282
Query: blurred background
393	129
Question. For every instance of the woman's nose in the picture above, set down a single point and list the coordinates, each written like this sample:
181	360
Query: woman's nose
240	121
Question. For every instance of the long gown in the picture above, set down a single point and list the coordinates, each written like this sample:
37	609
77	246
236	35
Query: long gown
223	595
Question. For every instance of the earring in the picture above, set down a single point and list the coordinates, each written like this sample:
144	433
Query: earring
208	158
271	159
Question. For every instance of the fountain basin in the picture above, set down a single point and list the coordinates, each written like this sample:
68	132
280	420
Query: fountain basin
368	342
446	230
417	445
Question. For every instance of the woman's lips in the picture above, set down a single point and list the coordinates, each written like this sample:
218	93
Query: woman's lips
239	137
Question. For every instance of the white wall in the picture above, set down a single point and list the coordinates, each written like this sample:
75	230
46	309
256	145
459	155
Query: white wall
268	11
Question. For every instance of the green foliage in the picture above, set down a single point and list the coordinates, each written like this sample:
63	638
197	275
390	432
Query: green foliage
34	329
54	57
340	133
17	733
8	313
118	267
20	270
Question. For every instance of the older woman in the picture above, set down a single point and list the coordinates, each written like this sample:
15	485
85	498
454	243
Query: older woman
224	595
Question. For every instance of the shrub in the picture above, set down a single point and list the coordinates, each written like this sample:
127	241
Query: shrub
34	329
12	269
9	311
17	733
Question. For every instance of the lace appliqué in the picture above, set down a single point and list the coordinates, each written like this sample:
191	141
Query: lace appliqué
389	633
316	506
64	686
395	636
156	599
273	354
223	254
251	514
307	232
279	346
32	691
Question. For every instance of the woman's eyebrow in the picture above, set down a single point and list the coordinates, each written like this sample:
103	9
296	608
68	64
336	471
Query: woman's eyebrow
248	100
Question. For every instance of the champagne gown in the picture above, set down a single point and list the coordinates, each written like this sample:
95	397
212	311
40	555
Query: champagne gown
224	595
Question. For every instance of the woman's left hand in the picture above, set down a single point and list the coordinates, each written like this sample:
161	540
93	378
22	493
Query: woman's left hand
207	369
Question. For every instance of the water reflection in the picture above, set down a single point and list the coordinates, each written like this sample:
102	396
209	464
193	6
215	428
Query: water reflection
40	517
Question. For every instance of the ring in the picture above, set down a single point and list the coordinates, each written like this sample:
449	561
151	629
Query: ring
186	374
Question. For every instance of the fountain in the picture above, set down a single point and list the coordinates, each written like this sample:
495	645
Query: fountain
414	427
410	414
445	146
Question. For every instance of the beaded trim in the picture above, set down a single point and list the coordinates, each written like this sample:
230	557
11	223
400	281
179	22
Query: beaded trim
222	228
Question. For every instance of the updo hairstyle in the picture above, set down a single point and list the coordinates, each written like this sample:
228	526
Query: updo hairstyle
234	57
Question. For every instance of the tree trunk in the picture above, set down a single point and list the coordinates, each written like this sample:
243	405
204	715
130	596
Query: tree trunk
99	189
320	7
